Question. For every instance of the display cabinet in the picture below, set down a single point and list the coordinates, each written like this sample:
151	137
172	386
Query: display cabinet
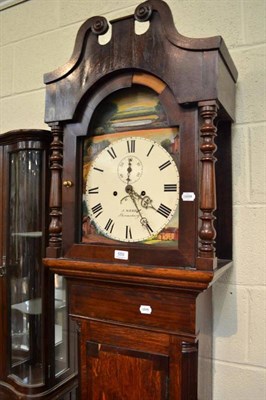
35	334
141	205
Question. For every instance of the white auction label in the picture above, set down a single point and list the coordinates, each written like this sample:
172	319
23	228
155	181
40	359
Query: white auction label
188	196
145	309
121	255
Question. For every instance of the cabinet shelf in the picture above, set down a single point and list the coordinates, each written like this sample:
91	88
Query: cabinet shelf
31	307
28	234
58	335
34	306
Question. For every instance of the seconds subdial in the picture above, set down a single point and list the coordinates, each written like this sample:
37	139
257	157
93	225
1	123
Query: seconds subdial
130	169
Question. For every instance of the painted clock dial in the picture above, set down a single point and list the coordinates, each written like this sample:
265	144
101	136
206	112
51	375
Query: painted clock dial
132	189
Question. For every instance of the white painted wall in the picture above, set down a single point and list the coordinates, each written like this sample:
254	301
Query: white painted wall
37	36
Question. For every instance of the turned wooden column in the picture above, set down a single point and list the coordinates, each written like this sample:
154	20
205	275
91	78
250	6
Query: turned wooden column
207	233
55	227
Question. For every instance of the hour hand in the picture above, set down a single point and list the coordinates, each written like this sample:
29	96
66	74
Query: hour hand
146	202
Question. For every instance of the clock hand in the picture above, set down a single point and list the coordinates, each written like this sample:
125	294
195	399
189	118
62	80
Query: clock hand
131	193
146	201
129	170
143	220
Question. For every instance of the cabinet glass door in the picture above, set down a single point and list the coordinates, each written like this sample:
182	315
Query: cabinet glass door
24	269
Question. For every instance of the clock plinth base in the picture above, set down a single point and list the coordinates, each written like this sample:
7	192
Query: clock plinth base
135	320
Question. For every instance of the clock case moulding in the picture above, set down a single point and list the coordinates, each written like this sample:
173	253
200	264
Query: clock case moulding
195	81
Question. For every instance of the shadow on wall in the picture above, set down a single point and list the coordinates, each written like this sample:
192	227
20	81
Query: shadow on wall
226	307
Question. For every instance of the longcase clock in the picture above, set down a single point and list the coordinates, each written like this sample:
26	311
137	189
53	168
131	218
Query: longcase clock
140	204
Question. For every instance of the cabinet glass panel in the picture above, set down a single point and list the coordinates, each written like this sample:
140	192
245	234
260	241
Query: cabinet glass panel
61	325
24	269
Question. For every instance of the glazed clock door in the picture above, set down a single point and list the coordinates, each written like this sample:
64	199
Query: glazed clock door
126	181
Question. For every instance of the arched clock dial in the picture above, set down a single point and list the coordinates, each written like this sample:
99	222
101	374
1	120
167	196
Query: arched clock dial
132	189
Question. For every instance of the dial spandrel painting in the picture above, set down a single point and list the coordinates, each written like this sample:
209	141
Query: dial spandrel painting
131	172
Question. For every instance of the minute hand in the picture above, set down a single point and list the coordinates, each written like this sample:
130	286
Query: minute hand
146	201
143	220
